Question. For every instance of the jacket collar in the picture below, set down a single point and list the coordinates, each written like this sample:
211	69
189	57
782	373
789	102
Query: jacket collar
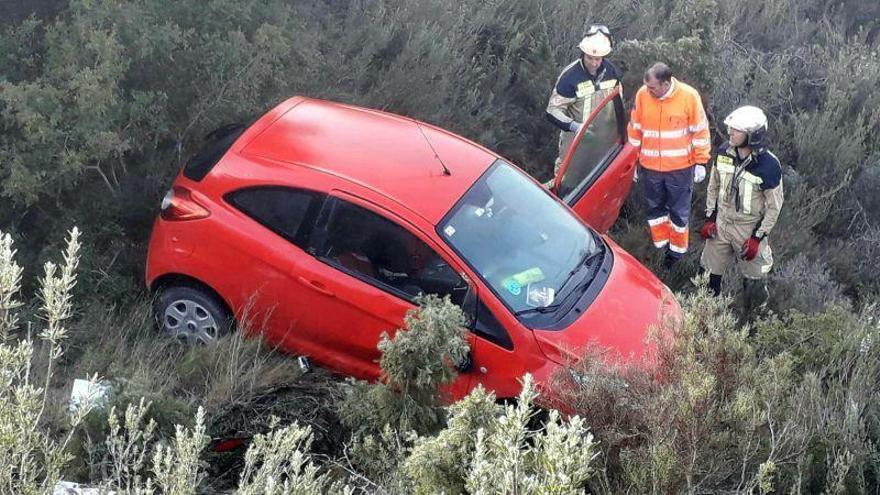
673	86
600	73
732	152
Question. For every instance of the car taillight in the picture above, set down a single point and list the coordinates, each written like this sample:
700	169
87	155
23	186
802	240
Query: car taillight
179	204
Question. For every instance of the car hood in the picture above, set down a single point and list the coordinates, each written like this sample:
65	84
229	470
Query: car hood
618	320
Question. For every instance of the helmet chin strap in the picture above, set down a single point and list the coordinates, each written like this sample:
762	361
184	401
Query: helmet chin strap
744	145
758	147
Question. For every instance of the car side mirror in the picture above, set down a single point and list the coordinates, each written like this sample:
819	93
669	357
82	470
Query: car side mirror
466	364
469	306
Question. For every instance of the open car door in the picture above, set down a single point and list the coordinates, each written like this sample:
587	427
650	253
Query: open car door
596	173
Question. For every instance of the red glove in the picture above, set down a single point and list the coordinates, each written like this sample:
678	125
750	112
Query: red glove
750	248
709	230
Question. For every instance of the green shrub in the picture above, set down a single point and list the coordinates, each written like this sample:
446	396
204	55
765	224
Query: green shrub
101	104
482	451
721	411
32	457
385	417
804	285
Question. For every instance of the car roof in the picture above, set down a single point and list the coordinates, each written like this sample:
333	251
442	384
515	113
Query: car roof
398	157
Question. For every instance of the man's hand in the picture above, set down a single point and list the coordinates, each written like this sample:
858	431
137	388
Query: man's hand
750	248
699	173
574	126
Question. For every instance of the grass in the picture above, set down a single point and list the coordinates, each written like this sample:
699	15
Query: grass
243	384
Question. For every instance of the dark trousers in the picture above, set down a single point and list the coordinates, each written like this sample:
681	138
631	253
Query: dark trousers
668	199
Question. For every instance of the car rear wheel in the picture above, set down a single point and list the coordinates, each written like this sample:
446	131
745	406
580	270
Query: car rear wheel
191	315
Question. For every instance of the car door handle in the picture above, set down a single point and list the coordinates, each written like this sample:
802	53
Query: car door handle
315	286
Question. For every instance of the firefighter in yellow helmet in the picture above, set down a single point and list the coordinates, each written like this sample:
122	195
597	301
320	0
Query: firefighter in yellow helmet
581	86
743	202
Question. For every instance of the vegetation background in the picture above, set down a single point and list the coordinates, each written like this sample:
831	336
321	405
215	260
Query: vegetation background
101	101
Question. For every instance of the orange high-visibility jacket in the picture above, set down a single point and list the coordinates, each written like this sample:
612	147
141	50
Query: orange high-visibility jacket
672	132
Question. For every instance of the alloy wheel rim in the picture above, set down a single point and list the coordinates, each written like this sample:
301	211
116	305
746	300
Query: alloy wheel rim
190	322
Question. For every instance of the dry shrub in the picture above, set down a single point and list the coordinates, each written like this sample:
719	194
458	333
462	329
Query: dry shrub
804	285
720	411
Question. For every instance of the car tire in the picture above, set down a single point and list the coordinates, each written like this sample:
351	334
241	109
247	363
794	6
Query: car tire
191	315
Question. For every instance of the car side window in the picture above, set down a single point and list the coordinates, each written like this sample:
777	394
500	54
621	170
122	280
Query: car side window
602	138
385	254
286	211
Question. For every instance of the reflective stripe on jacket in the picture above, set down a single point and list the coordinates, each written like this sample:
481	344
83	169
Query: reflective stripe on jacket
745	191
672	132
577	92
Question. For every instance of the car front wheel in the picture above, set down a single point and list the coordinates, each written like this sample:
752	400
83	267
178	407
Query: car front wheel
191	315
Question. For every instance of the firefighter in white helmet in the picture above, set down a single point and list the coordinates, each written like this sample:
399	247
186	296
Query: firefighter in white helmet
742	205
581	86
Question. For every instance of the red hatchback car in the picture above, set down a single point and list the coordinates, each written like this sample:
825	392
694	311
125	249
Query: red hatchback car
324	222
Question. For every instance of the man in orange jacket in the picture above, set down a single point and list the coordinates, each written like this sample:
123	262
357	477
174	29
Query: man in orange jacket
669	127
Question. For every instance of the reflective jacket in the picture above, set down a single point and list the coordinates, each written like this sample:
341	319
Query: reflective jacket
671	132
745	191
577	92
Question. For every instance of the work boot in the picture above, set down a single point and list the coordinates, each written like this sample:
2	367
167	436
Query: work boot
670	260
755	295
715	284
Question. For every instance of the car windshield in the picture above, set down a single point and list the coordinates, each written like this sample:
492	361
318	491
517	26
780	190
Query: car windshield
523	243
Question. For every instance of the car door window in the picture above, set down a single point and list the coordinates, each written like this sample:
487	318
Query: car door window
386	255
601	141
286	211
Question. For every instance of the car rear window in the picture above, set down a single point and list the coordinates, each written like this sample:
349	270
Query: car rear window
288	212
215	145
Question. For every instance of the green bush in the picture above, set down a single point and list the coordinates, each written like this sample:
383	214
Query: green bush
102	102
35	457
482	451
416	362
804	285
721	411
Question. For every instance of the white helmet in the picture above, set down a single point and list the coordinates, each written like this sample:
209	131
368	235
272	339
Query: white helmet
752	121
597	42
747	119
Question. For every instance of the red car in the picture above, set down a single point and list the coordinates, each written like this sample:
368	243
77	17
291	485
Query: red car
323	222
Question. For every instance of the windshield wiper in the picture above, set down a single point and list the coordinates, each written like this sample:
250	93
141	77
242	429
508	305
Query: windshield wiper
577	268
545	309
542	310
553	307
591	257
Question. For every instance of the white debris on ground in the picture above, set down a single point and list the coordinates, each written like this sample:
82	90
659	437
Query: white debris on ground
71	488
87	393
